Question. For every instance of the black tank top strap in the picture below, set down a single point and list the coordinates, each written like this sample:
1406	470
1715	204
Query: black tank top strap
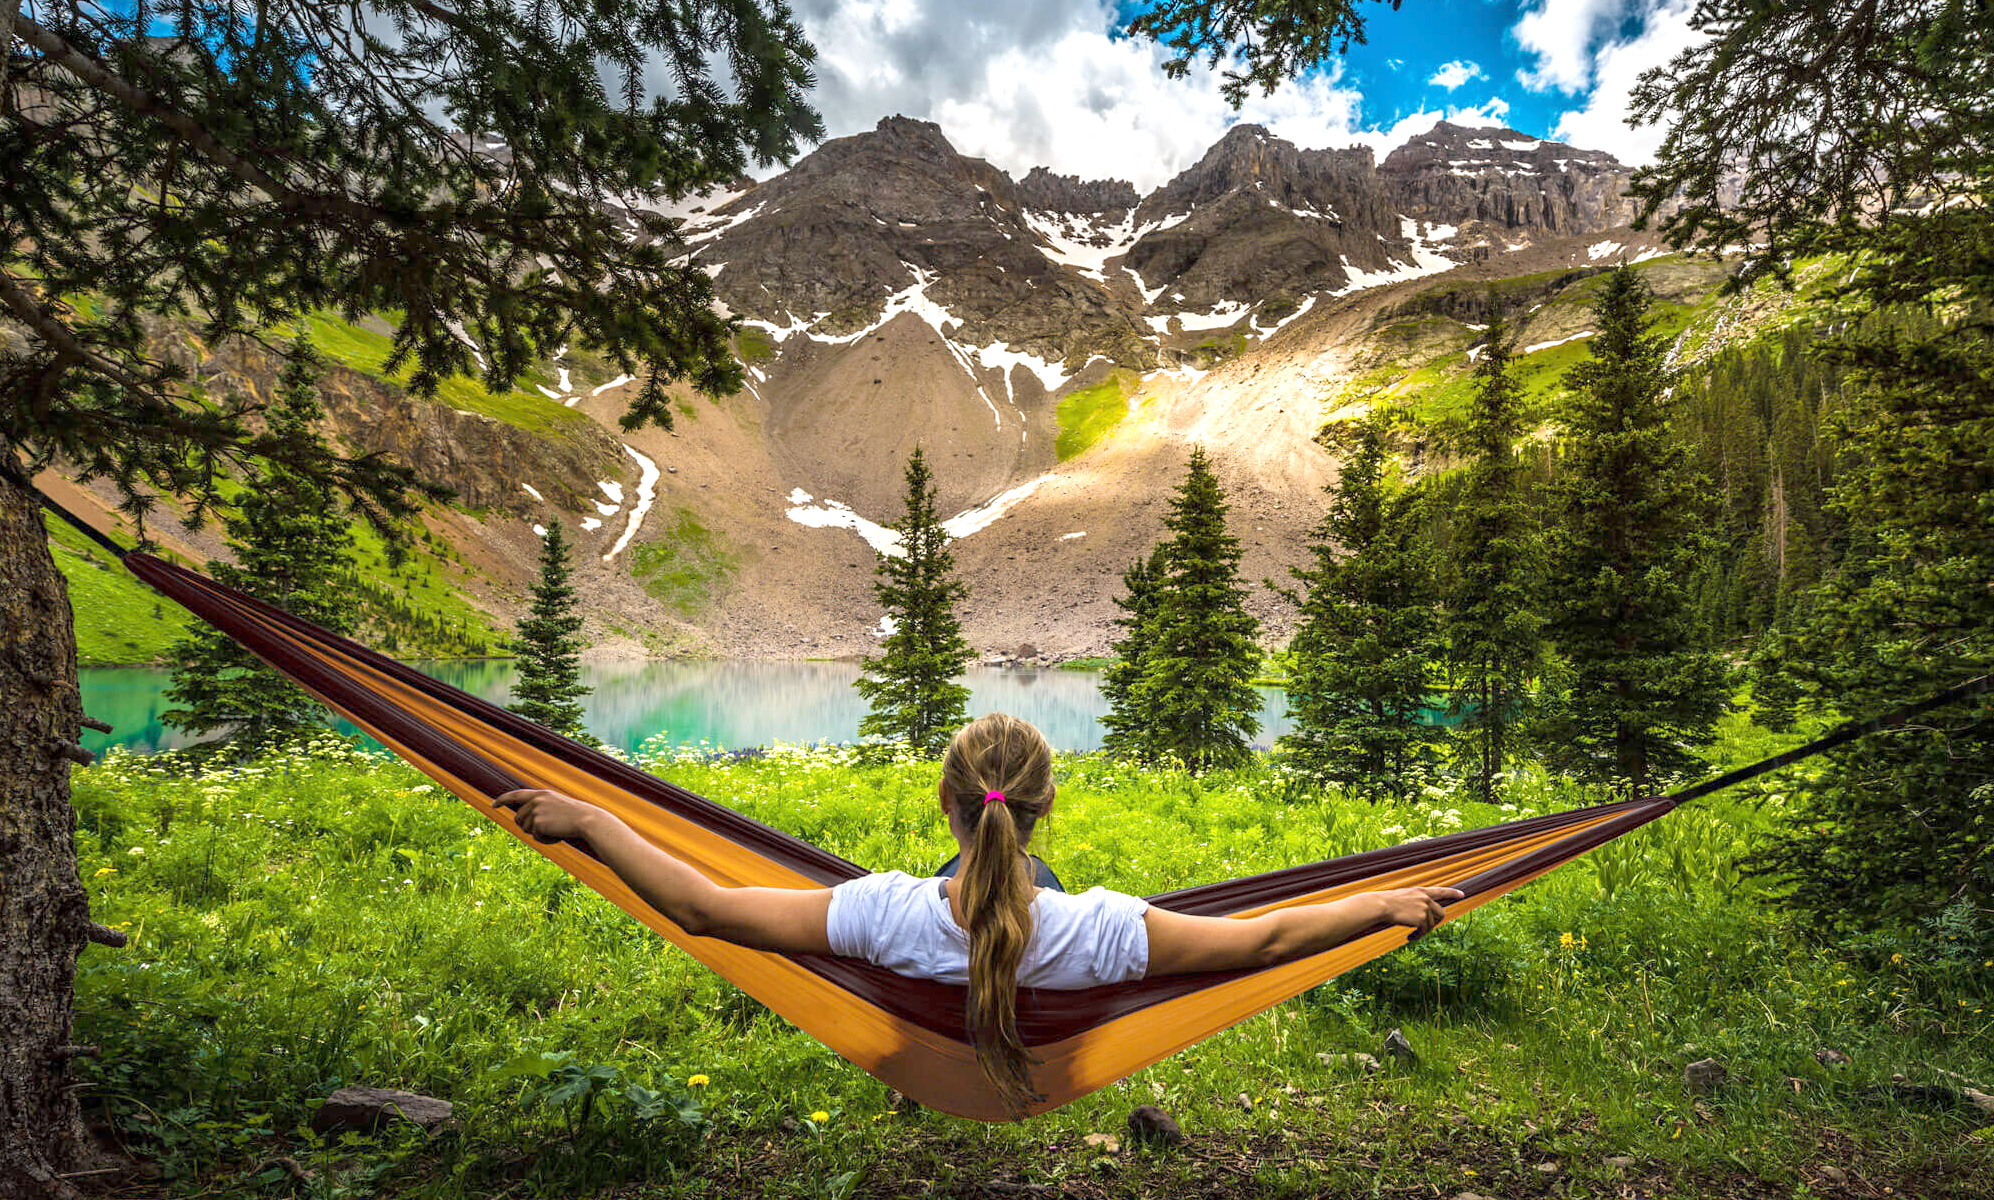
1042	875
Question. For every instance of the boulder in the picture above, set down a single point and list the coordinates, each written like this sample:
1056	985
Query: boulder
367	1109
1703	1076
1398	1047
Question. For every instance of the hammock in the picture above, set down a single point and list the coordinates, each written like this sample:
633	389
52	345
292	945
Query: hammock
909	1033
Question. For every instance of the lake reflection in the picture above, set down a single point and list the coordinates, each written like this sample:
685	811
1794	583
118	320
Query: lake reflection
725	703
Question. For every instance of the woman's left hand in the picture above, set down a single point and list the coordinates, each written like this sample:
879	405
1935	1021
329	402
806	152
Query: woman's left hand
550	816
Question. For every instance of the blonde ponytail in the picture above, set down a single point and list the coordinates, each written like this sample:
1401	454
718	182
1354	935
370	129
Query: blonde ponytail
998	774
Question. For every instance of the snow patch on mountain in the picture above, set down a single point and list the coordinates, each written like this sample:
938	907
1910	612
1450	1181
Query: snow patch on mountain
647	490
1426	259
835	514
914	299
986	514
1001	357
1080	242
1580	336
1300	310
1227	313
804	509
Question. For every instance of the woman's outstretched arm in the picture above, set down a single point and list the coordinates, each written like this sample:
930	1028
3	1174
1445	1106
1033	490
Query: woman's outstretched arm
787	920
1181	944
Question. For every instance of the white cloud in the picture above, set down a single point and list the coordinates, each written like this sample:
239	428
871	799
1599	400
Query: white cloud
1452	75
1025	83
1491	114
1562	34
1615	66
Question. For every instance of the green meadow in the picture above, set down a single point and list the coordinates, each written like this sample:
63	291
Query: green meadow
324	917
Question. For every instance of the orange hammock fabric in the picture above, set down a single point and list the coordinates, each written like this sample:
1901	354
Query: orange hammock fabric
907	1032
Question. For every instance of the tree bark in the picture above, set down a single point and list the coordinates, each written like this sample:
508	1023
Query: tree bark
44	911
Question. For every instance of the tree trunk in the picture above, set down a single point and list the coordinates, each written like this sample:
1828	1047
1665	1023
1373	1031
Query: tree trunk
43	909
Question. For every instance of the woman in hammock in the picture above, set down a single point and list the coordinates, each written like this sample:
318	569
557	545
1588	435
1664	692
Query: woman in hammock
988	926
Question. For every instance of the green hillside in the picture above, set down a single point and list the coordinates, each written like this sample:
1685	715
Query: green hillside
118	619
366	351
415	610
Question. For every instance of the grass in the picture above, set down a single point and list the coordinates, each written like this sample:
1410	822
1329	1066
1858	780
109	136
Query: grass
753	346
366	351
322	917
419	608
1215	350
118	619
1086	416
684	565
1098	662
1430	375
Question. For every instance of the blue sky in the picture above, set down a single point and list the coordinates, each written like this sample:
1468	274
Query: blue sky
1049	82
1395	70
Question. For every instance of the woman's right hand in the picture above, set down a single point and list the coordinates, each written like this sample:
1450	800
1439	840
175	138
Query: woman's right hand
1418	907
550	816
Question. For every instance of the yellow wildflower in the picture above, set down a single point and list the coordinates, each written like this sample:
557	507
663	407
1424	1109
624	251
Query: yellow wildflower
103	871
1565	940
1897	958
698	1081
820	1116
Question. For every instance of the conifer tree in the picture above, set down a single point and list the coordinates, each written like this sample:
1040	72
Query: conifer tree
1369	634
1775	692
291	540
549	686
911	686
1642	688
1495	641
206	171
1197	686
1128	728
1784	120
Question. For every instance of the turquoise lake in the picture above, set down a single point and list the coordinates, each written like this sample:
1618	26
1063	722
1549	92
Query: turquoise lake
729	704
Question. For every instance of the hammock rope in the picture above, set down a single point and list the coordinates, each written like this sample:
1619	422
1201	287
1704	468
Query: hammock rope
910	1033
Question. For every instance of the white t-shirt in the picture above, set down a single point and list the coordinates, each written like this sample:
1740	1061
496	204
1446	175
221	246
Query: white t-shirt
900	922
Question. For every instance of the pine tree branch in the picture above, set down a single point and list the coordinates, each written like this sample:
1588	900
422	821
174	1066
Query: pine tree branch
301	203
69	348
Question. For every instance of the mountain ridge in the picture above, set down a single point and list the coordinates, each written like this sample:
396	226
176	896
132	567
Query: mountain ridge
893	292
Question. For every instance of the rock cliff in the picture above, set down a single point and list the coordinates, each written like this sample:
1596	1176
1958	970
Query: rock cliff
1506	184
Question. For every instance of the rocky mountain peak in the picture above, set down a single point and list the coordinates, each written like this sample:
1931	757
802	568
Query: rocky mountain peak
1506	182
1250	158
1044	191
1470	148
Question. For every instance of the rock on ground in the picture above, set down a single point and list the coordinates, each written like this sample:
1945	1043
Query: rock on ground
1153	1126
1703	1076
368	1108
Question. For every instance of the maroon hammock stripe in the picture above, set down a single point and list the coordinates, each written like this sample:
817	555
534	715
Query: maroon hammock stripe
1044	1016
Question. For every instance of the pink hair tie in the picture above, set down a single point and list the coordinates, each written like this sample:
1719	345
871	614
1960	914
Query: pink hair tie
993	797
